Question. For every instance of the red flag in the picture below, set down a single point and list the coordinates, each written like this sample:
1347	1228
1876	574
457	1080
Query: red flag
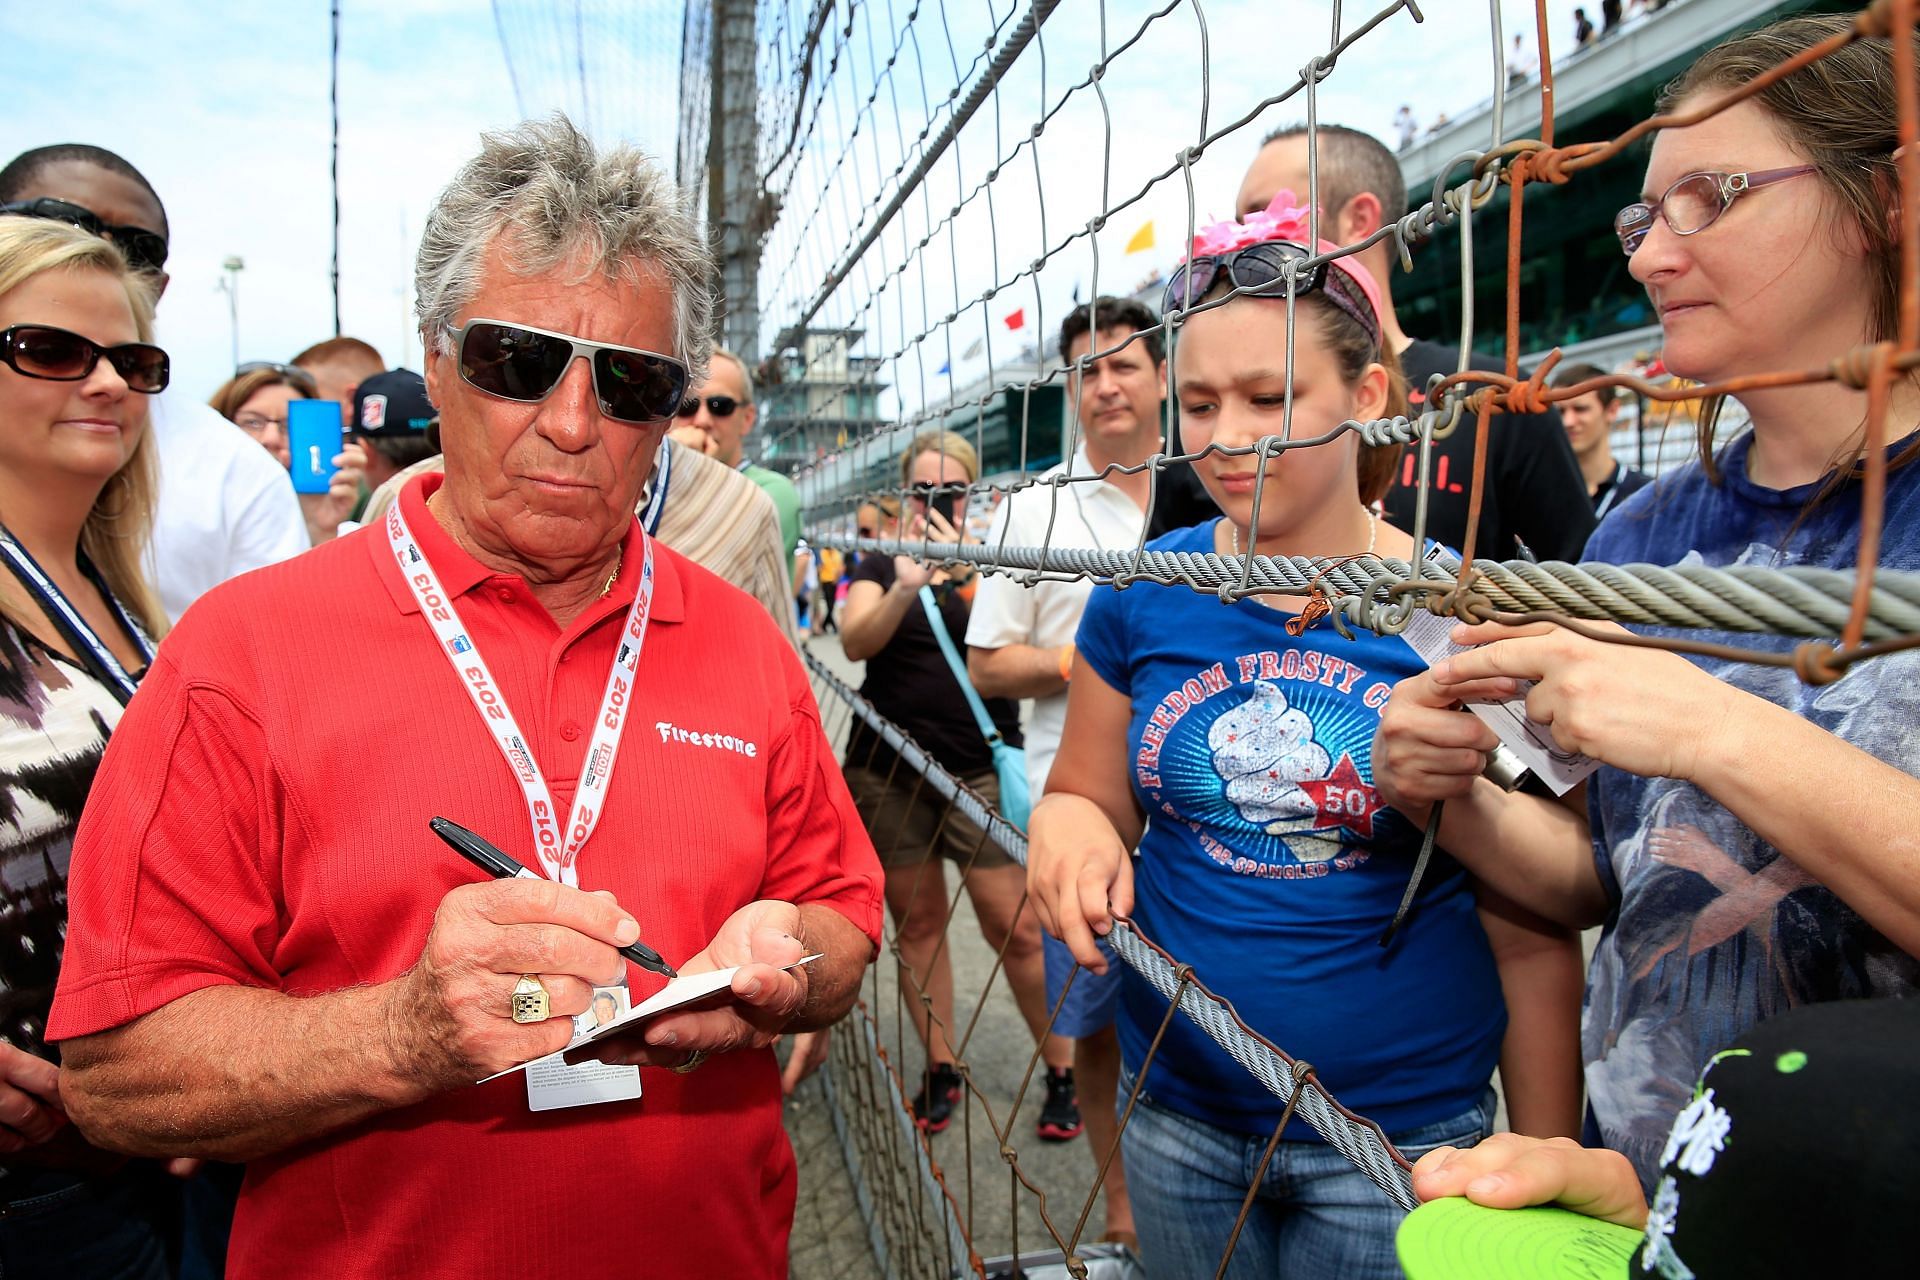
1017	319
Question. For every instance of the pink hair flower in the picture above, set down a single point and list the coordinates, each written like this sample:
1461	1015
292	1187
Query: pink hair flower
1282	219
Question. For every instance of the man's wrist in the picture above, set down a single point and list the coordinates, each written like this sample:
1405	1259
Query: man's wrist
1066	662
402	1074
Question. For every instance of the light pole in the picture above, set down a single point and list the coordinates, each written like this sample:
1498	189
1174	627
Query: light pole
233	266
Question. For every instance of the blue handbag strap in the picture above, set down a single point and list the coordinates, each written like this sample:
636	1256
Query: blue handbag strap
939	625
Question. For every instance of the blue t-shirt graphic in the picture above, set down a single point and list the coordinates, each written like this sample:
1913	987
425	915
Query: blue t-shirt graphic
1271	865
1714	929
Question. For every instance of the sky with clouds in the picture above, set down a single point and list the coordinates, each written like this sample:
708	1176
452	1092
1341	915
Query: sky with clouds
224	106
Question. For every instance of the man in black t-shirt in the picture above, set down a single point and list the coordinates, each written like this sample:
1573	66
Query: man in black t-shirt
1535	498
1588	421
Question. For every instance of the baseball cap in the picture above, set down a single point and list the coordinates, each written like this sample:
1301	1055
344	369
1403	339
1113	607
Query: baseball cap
392	404
1798	1155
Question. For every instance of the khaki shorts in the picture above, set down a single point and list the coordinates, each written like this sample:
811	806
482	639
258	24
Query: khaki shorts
903	816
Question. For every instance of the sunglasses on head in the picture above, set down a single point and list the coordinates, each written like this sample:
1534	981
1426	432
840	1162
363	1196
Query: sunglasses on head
144	250
516	362
291	372
718	406
57	355
1260	269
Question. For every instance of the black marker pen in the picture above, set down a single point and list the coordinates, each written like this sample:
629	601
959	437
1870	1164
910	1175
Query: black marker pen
480	853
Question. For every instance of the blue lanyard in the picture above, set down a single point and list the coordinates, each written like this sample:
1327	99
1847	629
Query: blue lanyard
656	503
88	646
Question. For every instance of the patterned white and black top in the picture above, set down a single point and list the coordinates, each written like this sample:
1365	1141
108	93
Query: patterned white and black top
55	718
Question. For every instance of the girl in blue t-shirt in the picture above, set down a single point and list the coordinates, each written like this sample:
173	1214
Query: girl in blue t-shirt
1749	844
1236	756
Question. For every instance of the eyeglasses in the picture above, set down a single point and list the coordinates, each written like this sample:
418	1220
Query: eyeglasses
145	250
256	423
516	362
1261	269
291	372
56	355
718	406
1695	203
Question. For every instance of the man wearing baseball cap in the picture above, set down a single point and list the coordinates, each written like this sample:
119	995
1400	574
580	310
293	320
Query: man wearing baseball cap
393	418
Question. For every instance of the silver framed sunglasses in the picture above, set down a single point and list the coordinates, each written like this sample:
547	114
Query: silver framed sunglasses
520	362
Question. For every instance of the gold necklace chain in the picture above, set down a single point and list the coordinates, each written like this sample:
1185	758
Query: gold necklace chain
606	588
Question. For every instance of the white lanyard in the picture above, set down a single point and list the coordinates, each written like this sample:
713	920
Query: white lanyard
558	847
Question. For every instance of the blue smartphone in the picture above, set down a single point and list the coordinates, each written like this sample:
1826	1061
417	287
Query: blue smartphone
313	441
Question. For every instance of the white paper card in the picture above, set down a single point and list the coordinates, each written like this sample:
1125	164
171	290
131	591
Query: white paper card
1431	638
552	1084
683	990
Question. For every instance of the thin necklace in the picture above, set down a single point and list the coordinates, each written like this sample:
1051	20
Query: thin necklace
1373	533
619	555
1317	605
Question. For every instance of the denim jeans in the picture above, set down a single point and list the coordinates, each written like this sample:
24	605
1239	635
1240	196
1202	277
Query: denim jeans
110	1227
1316	1217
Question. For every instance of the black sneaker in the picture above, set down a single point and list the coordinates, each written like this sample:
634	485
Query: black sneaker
939	1092
1060	1115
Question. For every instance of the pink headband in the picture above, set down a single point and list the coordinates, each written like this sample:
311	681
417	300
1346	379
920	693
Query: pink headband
1283	219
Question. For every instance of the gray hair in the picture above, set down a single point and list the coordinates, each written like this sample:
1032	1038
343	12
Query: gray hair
746	374
543	184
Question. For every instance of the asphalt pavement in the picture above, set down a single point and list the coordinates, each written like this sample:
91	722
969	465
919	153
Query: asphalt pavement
829	1237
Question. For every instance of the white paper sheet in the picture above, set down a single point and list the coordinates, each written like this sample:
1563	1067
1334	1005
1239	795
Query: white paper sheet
682	991
1431	638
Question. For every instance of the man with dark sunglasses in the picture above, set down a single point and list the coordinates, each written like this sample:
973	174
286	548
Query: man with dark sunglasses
723	409
315	982
1535	498
225	506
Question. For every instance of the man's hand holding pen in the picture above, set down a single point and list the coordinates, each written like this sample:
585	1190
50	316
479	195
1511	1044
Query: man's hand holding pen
555	925
450	1017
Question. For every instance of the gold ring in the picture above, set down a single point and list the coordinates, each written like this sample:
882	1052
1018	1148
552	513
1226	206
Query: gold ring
530	1002
692	1063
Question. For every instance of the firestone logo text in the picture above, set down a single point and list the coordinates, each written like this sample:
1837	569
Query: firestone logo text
670	732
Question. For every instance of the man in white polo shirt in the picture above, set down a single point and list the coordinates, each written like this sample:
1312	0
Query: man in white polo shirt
1020	642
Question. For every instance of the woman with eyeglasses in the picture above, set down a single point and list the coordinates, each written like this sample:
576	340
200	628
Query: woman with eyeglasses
255	399
78	622
1749	843
1229	747
887	623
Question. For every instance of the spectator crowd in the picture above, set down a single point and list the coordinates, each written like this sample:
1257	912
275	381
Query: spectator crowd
250	648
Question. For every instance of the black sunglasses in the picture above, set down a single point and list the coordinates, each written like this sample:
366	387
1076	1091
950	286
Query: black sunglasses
718	406
291	372
144	250
516	362
57	355
1261	269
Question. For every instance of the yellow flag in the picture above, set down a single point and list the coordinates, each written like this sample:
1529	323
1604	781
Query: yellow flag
1142	239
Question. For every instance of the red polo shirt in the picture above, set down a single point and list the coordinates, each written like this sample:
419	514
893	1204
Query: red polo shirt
260	819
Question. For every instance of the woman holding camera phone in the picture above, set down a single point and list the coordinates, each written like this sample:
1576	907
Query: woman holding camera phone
255	399
908	680
78	621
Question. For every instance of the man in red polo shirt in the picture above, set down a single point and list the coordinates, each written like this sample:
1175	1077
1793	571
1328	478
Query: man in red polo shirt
272	960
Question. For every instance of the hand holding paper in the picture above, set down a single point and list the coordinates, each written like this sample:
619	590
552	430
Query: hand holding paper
757	941
1643	710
